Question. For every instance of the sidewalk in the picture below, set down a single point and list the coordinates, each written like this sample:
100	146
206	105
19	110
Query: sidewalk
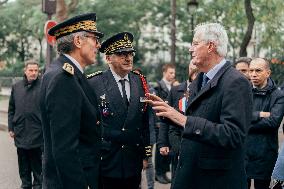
5	93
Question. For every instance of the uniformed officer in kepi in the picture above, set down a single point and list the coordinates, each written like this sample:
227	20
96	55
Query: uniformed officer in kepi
121	94
70	117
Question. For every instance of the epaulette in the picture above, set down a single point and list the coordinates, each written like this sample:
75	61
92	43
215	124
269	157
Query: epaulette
137	73
68	68
94	74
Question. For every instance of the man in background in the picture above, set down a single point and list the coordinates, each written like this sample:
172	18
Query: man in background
242	65
162	162
268	110
24	124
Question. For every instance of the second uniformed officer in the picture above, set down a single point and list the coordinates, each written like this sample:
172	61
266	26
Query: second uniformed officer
121	94
70	117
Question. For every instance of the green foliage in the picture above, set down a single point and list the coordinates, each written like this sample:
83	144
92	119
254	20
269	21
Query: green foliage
21	31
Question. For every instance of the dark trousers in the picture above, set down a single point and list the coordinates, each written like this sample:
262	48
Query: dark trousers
259	184
30	163
91	174
174	162
120	183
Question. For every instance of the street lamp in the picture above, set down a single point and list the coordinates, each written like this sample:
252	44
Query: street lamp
192	5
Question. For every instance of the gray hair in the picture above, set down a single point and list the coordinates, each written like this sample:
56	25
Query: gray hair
65	44
31	61
214	32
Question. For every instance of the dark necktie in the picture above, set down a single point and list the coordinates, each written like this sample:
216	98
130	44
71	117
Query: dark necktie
204	81
125	100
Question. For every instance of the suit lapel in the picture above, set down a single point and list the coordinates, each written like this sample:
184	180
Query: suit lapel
163	86
210	85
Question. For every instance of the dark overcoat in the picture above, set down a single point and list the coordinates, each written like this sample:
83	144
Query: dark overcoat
125	131
71	127
262	140
212	147
24	117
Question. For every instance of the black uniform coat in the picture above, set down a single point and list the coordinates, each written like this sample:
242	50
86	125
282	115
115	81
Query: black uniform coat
24	117
212	147
125	132
70	127
262	140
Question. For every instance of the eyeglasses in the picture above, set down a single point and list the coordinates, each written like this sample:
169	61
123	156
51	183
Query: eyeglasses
125	54
95	38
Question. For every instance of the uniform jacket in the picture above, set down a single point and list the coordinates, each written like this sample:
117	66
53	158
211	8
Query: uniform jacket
24	117
212	147
262	140
169	133
71	127
125	132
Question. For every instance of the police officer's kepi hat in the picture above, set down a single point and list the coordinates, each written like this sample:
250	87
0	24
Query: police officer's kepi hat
121	42
83	22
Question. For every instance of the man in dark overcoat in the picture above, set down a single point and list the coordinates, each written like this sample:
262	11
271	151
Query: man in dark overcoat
268	110
216	120
121	97
24	124
71	120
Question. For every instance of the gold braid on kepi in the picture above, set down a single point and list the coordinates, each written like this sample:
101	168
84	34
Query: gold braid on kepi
121	42
84	22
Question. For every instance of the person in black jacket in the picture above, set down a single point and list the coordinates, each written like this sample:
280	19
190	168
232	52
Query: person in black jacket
162	162
216	118
24	124
70	116
268	110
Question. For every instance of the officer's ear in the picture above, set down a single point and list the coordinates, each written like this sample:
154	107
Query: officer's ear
108	58
78	41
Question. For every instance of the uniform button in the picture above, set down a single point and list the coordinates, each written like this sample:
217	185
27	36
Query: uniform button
111	114
142	110
101	158
197	131
123	129
137	144
122	146
98	122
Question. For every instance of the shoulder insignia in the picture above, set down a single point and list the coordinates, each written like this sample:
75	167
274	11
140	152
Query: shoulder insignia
94	74
68	68
137	73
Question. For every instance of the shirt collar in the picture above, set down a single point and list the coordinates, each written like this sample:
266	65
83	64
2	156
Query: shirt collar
117	77
215	69
75	62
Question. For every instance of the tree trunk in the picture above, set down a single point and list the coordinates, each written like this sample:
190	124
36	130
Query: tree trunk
61	10
173	31
248	34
